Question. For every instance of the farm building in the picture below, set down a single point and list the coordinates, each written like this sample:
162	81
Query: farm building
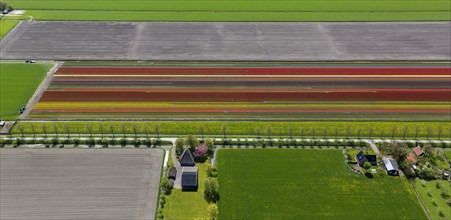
361	158
187	159
189	178
172	173
390	167
418	151
410	157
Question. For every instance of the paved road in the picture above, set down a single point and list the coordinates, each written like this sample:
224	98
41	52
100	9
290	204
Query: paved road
229	41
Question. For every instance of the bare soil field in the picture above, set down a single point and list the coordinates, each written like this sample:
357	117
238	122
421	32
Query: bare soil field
229	41
63	184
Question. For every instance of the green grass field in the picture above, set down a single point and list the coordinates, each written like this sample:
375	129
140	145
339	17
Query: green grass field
441	203
188	205
17	84
232	10
248	128
307	184
6	26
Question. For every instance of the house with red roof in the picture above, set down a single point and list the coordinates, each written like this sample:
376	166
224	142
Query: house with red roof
418	151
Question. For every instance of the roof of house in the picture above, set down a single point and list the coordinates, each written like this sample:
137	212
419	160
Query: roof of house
371	158
360	157
187	159
189	176
389	164
411	158
418	151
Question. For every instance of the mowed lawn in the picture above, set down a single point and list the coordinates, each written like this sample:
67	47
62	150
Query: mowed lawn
231	10
17	84
307	184
6	26
188	205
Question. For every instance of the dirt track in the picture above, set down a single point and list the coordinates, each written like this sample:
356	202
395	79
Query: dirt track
229	41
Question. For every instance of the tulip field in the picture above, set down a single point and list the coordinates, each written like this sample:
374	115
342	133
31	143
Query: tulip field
378	93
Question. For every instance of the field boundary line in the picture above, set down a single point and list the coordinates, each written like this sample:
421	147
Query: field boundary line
40	90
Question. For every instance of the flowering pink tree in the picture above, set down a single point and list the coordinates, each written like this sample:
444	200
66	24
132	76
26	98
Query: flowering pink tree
200	154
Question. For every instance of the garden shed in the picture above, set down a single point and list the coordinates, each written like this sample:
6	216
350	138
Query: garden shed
172	173
189	178
187	159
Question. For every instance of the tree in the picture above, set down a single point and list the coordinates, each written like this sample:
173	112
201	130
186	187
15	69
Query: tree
123	130
393	132
224	129
55	129
179	145
89	128
200	154
268	131
20	127
428	150
202	130
156	127
209	144
5	6
258	133
112	130
33	130
370	133
135	130
211	193
440	130
404	132
191	142
146	130
166	186
367	166
44	129
212	171
398	151
66	128
290	131
101	130
213	211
